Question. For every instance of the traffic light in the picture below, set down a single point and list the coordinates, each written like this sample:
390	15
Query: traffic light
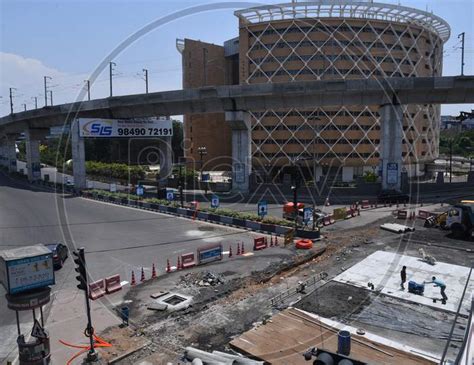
81	268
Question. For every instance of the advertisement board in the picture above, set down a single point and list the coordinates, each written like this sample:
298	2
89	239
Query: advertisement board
129	128
22	269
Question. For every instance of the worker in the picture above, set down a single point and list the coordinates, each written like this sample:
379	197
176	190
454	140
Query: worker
441	285
403	277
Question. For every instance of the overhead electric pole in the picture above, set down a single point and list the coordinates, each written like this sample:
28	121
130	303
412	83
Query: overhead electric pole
111	68
35	98
88	85
462	52
11	99
24	107
146	79
46	89
51	96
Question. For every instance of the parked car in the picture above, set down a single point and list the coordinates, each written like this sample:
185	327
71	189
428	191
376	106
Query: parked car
60	254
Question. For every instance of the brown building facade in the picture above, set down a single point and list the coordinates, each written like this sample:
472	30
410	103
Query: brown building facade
319	41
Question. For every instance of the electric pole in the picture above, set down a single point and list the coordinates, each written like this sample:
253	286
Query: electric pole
111	68
462	52
46	89
146	79
35	98
24	107
88	85
11	99
51	96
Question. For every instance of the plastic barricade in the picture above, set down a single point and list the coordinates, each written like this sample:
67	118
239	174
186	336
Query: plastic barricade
209	253
259	243
402	214
112	284
97	289
365	204
423	214
187	260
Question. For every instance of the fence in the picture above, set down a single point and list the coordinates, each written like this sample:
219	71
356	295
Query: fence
311	281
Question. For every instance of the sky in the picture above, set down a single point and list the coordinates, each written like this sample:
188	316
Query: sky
68	40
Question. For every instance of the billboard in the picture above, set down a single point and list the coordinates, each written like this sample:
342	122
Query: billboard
129	128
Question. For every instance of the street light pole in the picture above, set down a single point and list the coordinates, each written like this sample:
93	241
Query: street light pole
88	85
111	69
462	52
202	152
45	78
146	79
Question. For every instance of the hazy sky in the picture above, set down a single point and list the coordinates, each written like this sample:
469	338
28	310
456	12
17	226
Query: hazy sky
67	40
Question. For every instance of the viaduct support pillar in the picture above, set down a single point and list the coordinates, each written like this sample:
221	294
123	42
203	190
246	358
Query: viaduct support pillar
78	157
391	120
166	161
241	149
9	149
33	163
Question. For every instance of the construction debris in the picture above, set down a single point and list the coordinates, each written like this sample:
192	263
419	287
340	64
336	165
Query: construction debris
427	257
202	279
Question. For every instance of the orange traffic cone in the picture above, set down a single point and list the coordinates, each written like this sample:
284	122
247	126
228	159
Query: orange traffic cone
133	282
153	271
178	266
142	279
230	251
168	267
242	251
238	249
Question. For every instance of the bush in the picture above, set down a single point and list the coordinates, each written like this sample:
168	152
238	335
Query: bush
118	171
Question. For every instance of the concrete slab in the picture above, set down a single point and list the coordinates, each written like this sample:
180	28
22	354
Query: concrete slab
383	270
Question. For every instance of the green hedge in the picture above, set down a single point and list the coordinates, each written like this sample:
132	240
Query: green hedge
219	211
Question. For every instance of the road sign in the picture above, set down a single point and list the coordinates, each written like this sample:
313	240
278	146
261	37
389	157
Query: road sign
113	188
140	190
262	208
307	214
38	331
215	201
169	196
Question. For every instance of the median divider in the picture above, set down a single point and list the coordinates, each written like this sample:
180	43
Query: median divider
112	284
97	289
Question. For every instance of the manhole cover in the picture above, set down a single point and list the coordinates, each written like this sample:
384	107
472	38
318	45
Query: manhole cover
174	300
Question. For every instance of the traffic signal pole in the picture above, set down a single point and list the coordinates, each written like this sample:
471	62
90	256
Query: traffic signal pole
81	269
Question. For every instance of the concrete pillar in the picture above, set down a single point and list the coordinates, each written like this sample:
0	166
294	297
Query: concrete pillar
391	120
241	149
78	157
33	163
347	174
166	161
10	153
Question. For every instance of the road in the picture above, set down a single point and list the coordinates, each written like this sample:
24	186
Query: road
116	239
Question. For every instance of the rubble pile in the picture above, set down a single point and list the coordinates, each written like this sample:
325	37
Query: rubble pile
202	279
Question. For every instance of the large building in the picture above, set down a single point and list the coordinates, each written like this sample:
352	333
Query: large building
319	41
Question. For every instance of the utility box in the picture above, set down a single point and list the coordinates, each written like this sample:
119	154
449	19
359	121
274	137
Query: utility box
26	268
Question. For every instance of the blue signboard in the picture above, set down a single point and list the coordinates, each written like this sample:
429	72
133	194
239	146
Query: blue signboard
30	273
140	190
215	201
262	208
169	196
392	173
209	254
307	214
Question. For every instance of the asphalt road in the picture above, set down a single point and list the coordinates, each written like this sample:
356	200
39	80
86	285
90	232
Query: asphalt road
116	240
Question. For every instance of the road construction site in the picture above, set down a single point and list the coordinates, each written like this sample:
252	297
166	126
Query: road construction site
229	298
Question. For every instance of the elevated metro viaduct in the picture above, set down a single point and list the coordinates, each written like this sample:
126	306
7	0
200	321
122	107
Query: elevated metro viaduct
236	101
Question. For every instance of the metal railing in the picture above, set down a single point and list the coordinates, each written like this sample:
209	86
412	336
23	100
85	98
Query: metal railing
311	281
